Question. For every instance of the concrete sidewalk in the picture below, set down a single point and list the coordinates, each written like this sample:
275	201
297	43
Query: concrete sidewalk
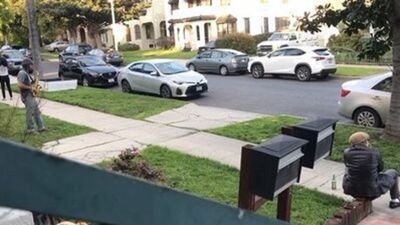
183	134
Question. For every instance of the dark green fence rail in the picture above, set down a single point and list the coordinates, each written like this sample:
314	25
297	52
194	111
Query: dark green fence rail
32	180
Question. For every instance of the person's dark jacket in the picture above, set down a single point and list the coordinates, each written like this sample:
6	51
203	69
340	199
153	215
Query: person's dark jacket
363	177
3	61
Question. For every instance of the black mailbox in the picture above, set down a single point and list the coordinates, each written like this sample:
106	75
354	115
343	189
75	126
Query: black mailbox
320	134
275	165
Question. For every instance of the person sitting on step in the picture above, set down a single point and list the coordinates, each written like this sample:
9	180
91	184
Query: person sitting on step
364	177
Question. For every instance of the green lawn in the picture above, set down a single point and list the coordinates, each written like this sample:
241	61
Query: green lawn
348	71
212	180
258	130
49	55
131	56
12	126
133	106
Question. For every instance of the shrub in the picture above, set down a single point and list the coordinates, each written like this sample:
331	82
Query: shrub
261	37
128	47
131	162
238	41
166	42
343	40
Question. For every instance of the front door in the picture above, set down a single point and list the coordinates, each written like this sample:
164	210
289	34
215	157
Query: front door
274	62
150	81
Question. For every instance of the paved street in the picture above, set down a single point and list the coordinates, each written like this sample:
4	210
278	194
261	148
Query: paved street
269	95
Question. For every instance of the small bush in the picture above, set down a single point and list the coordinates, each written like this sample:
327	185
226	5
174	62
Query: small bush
343	40
238	41
166	42
131	162
261	37
129	47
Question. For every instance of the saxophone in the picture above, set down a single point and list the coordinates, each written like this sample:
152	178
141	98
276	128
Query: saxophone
37	87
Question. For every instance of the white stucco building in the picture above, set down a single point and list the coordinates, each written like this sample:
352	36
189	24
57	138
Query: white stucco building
195	22
143	31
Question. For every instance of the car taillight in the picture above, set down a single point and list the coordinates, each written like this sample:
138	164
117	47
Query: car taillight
319	58
344	92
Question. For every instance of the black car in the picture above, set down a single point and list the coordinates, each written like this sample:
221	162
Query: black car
14	59
88	70
209	46
111	57
75	50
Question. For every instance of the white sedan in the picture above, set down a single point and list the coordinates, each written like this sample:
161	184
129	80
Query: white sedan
302	61
163	77
367	101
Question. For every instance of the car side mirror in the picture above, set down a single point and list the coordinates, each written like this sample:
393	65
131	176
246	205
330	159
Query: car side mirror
154	74
198	57
269	56
6	56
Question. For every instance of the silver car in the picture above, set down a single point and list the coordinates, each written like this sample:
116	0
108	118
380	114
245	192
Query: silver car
367	101
163	77
222	61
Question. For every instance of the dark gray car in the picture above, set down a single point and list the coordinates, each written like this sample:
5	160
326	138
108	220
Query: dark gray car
221	61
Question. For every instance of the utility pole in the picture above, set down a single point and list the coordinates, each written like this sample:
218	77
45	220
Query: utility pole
34	39
113	24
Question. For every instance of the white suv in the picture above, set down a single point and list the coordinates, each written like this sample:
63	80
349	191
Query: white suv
303	62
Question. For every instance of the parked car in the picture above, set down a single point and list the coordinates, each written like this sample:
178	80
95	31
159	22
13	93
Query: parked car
222	61
209	46
57	46
14	60
88	70
303	62
112	57
285	39
5	47
367	101
163	77
26	52
75	50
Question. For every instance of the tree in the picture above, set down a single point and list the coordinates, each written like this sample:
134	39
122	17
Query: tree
384	17
34	38
93	14
5	18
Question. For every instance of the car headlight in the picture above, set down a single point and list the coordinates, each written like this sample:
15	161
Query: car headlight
178	82
94	74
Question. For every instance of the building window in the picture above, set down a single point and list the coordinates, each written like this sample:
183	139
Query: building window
163	29
266	25
138	35
206	2
128	34
285	2
282	23
226	28
178	34
225	2
247	25
263	1
149	28
198	32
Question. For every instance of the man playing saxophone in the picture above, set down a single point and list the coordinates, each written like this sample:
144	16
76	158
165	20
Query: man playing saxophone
27	87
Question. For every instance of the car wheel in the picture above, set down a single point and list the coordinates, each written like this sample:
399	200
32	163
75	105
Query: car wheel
192	67
257	71
165	92
85	82
223	70
367	117
126	87
303	73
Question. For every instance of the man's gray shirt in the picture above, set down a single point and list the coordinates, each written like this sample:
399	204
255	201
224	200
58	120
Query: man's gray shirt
24	78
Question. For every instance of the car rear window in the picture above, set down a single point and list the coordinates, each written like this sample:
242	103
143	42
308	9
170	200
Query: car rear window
322	51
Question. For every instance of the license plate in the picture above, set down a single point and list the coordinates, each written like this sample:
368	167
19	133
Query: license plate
199	88
110	80
330	60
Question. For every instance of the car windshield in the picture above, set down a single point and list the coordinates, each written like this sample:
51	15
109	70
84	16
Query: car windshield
92	61
169	68
278	36
13	54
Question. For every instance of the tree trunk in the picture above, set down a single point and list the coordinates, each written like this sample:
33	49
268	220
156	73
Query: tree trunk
392	130
34	35
94	33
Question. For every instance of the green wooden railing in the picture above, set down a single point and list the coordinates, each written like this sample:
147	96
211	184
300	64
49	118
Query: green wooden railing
34	181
